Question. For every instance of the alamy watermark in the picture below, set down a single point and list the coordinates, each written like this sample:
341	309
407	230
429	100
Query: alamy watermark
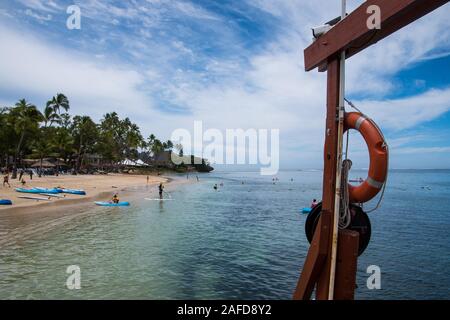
374	280
73	22
73	281
235	146
374	20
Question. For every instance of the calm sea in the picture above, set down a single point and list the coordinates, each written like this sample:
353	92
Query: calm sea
244	241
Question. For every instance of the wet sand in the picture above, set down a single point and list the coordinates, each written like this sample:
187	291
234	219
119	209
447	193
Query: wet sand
96	187
28	218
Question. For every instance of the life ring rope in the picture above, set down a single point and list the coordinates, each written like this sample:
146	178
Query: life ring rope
379	155
370	181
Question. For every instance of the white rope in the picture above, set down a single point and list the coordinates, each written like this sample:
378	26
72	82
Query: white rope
344	215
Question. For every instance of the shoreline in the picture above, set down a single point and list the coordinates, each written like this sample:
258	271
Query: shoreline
97	187
34	219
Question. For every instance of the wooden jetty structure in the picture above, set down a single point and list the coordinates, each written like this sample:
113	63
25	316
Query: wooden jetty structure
331	263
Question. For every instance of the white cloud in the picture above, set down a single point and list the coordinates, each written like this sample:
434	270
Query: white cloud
42	5
39	17
271	90
29	66
408	112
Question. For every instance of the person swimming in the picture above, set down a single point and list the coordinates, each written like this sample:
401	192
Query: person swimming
115	199
215	187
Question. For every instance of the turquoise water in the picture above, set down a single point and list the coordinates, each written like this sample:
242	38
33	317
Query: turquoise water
245	241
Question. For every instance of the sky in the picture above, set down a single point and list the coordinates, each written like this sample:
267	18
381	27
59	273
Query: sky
231	64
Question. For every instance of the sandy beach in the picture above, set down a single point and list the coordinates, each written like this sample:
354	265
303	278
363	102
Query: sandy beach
96	187
29	218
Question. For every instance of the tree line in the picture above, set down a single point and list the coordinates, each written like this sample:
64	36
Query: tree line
29	133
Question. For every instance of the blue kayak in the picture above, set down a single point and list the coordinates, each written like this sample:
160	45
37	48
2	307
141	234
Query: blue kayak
37	190
306	210
73	191
110	204
5	202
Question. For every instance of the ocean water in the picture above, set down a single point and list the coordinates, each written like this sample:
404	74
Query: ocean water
244	241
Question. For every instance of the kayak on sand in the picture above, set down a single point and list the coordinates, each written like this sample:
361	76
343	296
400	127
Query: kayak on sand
5	202
37	190
73	191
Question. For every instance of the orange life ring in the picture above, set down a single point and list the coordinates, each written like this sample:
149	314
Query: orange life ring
378	153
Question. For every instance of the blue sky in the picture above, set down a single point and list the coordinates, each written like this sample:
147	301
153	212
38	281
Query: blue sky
231	64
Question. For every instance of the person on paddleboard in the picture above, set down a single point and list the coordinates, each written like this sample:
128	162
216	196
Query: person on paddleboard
161	190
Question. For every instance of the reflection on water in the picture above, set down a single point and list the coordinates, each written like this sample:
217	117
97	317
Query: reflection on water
244	241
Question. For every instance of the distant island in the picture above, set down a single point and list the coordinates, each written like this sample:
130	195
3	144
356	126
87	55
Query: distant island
52	142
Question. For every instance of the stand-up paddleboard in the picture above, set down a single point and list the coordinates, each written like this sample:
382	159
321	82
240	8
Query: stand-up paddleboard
306	210
53	195
157	199
5	202
110	204
73	191
35	198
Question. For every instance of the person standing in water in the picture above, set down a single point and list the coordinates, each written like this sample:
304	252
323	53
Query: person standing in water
313	204
161	190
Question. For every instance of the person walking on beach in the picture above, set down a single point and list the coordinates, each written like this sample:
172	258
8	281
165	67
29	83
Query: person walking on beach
161	190
148	179
20	174
6	180
31	174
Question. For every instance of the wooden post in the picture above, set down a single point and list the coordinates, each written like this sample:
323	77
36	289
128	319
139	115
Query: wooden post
315	270
329	172
351	36
347	262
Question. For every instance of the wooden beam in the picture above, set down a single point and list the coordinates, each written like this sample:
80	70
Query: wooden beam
313	263
329	171
353	35
317	262
347	262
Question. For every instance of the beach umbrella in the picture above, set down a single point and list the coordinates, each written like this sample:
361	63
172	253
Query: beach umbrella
45	164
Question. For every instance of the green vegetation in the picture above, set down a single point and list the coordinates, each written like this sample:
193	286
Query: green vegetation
71	141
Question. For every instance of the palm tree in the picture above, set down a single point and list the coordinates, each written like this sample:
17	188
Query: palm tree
26	118
41	149
62	143
85	130
59	102
50	116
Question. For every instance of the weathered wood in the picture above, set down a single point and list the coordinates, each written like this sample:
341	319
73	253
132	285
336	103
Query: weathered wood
353	35
347	262
329	173
319	250
313	265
